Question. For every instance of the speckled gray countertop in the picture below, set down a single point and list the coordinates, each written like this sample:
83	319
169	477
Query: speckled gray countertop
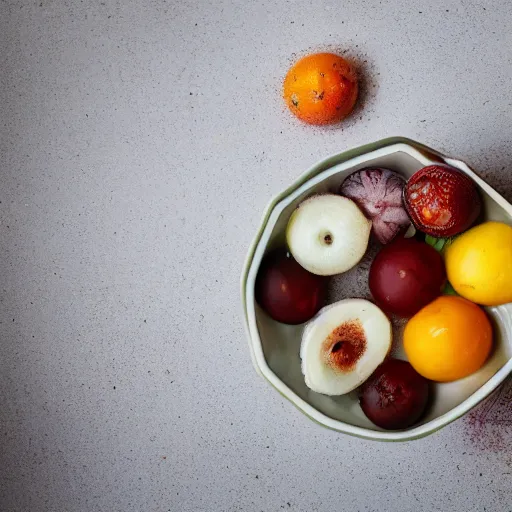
139	144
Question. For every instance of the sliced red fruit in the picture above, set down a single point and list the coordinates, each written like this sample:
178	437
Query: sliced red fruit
441	200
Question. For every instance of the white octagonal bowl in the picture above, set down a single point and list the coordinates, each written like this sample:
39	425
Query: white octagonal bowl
275	347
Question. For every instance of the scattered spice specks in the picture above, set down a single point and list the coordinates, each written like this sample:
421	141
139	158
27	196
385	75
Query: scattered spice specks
490	425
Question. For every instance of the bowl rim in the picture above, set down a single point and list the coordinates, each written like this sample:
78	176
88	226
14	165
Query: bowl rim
318	172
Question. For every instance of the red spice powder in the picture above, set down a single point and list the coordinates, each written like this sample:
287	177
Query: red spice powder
489	426
345	345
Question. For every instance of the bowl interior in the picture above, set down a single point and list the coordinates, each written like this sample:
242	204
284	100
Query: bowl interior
281	343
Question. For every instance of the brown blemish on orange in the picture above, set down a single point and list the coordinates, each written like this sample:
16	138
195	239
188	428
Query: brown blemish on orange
319	95
345	345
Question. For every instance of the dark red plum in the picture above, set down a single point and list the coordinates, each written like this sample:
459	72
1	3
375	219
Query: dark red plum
405	276
395	396
288	292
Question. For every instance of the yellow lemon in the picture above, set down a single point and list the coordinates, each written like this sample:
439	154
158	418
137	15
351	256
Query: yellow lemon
479	264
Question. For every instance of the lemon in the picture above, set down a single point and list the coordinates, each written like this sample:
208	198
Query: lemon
479	264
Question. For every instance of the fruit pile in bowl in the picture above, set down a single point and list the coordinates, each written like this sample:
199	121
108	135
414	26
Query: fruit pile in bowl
378	293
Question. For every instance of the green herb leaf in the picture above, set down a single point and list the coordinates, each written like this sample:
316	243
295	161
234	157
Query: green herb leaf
430	240
448	289
439	244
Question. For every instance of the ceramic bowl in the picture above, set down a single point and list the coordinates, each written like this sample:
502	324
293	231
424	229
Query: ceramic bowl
275	347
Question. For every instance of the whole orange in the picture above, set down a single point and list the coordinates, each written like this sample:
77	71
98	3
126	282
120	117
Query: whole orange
448	339
321	88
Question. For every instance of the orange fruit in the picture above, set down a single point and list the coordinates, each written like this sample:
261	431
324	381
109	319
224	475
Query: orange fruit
321	88
448	339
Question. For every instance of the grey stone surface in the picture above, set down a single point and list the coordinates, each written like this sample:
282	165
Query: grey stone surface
139	143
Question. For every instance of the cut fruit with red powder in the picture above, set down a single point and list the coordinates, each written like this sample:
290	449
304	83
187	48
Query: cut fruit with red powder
343	344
